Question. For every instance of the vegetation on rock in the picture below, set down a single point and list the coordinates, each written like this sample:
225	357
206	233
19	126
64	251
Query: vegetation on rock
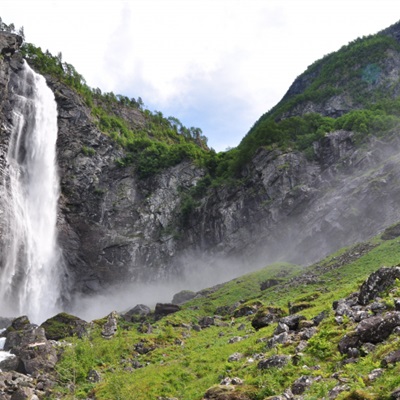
195	353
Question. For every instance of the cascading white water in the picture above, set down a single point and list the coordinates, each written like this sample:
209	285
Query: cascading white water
31	259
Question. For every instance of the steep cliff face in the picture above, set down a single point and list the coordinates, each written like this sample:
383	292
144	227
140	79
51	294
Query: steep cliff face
115	228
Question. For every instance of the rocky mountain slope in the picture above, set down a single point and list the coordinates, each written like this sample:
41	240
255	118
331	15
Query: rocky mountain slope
116	227
329	331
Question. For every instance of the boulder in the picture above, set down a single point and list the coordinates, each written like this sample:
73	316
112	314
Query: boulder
370	330
391	358
300	385
206	322
269	283
391	233
30	345
111	326
183	296
282	338
292	321
277	361
224	392
64	325
377	282
164	309
10	363
137	313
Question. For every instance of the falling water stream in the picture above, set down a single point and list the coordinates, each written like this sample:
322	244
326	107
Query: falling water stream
31	260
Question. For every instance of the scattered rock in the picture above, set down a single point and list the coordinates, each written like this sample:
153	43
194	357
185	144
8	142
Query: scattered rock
277	361
94	376
307	333
64	325
292	321
281	328
371	330
10	364
320	317
264	317
235	357
143	347
224	392
333	393
137	313
235	339
164	309
376	283
391	358
206	322
111	326
300	385
375	374
30	345
269	283
183	296
231	381
391	233
395	394
282	338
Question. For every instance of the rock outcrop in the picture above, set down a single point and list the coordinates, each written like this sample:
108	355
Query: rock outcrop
116	229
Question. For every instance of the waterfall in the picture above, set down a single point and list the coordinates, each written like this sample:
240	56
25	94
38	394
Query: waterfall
31	260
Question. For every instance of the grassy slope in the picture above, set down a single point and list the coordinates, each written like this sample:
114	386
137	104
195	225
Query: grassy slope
185	363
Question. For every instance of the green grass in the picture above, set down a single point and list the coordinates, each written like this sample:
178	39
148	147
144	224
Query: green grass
184	363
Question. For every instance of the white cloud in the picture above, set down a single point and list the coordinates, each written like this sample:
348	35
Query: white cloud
215	64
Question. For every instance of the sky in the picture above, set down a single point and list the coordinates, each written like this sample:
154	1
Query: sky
213	64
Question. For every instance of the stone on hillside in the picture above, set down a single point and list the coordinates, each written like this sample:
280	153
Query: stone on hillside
269	283
246	310
94	376
164	309
137	313
31	346
183	296
292	321
391	233
224	392
395	394
282	338
64	325
206	322
277	361
391	358
300	385
235	357
371	330
111	326
281	328
378	328
376	283
20	323
320	317
235	339
10	364
375	374
24	393
307	333
333	393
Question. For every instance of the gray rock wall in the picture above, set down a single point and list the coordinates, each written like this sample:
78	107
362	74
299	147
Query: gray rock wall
115	228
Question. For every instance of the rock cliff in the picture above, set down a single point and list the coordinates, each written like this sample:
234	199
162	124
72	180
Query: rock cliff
115	228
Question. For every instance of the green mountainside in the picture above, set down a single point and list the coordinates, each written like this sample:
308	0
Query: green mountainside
283	332
225	335
355	88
